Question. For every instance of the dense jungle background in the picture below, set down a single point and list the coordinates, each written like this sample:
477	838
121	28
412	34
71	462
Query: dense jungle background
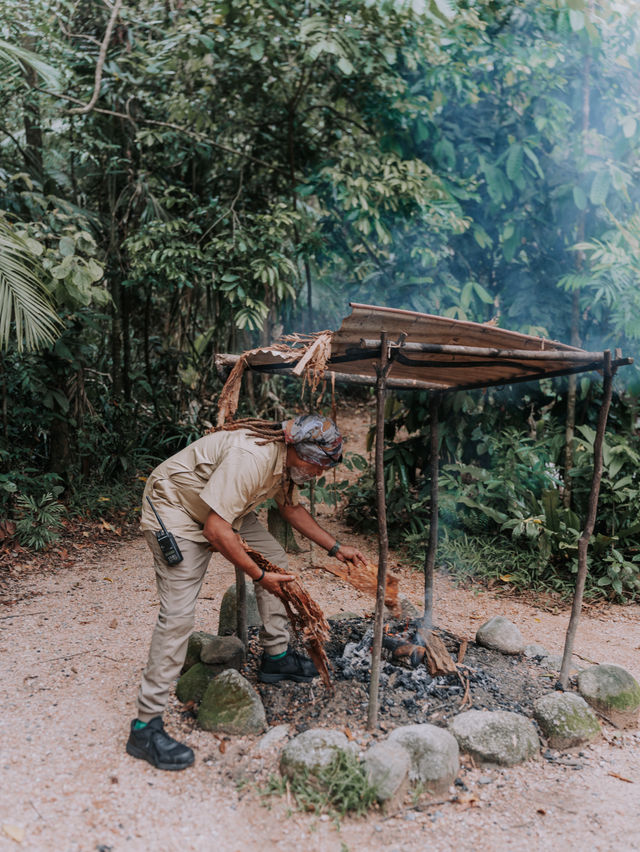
188	177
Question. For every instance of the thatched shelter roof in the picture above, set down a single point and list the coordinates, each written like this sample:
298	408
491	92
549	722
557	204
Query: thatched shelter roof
429	352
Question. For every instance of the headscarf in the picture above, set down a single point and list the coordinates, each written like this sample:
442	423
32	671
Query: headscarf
315	439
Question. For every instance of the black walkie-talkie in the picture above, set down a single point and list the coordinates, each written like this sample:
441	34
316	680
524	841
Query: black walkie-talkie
167	542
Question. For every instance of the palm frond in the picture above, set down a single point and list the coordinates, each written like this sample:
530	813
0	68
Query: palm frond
17	57
23	299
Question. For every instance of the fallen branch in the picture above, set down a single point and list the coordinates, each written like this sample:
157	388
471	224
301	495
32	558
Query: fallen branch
22	614
306	617
620	777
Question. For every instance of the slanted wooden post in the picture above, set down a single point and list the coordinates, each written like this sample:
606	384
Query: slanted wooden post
590	521
241	608
383	539
430	557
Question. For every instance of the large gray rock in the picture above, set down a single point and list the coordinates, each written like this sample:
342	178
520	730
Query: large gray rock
535	651
500	634
227	623
312	750
612	692
388	765
433	752
497	737
566	720
231	705
196	641
225	651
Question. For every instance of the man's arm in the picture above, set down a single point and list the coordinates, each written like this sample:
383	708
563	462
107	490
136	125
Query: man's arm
303	522
222	538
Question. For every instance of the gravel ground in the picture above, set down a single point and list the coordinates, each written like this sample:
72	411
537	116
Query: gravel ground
73	642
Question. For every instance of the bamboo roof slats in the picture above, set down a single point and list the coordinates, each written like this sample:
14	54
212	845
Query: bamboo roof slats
450	354
427	352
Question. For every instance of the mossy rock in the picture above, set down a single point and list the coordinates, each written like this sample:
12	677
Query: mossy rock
312	751
228	618
231	705
497	737
194	682
612	692
226	652
566	720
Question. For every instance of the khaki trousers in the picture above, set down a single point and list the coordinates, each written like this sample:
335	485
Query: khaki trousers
178	589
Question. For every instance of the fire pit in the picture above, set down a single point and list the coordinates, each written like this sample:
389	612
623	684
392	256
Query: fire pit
409	694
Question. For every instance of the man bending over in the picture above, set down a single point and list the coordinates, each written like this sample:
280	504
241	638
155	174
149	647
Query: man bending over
206	495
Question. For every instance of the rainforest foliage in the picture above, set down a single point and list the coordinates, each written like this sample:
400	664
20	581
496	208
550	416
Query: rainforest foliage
185	177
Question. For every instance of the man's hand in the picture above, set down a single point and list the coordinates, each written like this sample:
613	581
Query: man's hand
271	582
302	521
350	554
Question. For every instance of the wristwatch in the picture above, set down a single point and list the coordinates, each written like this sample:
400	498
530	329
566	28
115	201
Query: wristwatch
336	547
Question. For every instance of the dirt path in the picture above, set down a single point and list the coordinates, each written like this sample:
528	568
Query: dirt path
71	654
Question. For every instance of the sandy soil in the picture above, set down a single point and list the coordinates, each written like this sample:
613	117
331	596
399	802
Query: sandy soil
72	650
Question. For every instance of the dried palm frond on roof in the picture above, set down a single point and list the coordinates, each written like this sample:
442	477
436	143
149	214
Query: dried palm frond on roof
310	351
306	617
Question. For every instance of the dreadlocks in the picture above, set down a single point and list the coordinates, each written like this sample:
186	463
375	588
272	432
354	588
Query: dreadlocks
269	432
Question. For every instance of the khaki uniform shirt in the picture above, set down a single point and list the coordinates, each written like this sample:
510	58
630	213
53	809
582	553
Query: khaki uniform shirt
225	471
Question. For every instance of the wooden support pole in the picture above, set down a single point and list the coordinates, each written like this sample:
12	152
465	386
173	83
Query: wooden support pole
430	557
241	608
383	540
590	521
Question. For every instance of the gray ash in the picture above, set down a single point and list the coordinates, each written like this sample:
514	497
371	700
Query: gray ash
407	695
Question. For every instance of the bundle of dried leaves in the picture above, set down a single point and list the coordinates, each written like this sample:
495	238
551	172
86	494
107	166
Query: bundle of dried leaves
306	617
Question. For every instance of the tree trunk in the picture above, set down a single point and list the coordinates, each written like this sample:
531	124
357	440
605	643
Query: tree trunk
125	297
5	399
589	524
31	118
282	531
383	538
116	340
430	558
572	393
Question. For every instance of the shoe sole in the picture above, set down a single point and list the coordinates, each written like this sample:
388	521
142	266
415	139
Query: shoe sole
142	755
265	677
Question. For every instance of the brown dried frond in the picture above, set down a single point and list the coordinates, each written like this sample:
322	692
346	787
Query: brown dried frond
365	579
313	364
306	617
312	351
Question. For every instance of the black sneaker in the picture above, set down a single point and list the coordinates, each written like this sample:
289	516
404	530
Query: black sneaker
293	666
152	743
